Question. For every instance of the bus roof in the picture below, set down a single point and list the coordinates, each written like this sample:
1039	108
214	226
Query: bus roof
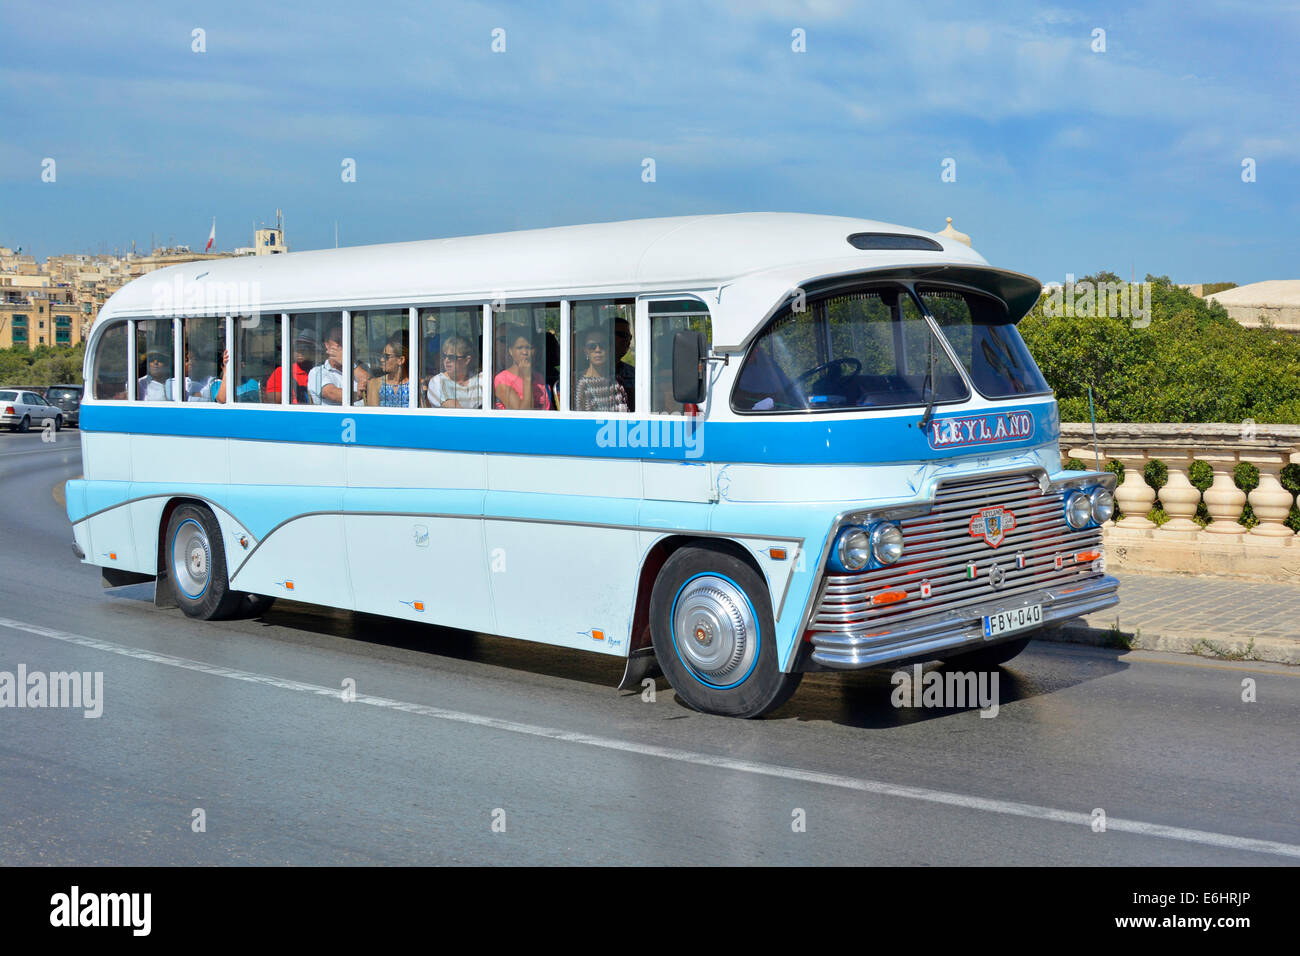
615	258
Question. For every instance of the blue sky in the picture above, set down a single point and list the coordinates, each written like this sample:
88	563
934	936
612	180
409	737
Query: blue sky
1067	160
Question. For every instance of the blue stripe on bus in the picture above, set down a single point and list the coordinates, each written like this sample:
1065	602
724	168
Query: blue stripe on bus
819	439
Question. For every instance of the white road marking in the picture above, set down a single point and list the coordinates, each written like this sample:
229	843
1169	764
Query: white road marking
67	449
880	788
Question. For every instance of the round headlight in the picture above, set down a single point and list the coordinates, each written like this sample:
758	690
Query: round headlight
1078	510
887	543
854	549
1103	505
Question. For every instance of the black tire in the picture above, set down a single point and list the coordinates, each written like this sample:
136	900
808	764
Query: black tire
746	678
198	582
25	425
991	657
58	423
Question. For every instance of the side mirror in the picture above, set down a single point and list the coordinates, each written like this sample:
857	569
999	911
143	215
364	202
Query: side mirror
689	354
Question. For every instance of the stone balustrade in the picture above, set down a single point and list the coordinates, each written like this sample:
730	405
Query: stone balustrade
1268	550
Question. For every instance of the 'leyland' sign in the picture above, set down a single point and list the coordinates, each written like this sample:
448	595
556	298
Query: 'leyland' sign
987	429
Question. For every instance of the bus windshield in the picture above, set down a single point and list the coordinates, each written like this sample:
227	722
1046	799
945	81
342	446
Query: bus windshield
867	349
986	342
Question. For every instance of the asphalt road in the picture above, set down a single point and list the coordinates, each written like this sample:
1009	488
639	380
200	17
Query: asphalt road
452	733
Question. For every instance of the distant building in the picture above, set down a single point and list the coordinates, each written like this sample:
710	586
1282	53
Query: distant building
56	303
1276	302
269	241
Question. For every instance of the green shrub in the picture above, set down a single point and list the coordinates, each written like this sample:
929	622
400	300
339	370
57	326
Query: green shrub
1160	373
44	365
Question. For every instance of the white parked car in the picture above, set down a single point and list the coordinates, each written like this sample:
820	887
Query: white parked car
20	409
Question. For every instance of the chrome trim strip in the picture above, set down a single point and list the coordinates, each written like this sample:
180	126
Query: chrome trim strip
958	629
572	524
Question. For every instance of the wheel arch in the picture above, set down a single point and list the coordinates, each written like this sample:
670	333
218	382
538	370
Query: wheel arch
653	563
162	596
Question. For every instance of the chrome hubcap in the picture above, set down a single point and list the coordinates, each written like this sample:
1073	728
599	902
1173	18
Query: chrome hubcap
717	636
191	559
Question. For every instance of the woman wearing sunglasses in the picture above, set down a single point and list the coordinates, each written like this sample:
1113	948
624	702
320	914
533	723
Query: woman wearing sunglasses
457	385
391	387
598	390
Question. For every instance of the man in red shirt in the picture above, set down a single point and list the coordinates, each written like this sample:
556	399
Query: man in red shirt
305	352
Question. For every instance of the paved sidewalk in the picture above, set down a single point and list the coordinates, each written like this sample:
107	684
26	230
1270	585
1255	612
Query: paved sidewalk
1213	617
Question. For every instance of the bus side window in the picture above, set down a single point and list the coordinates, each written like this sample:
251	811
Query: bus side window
111	374
522	356
204	343
317	342
257	358
667	318
381	357
450	345
154	349
604	380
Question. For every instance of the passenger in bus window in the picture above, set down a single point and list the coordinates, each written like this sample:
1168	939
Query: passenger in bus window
325	381
304	360
248	392
509	385
458	385
391	388
196	389
597	390
150	387
623	372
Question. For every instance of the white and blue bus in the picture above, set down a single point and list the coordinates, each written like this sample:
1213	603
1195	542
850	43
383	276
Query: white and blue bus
737	447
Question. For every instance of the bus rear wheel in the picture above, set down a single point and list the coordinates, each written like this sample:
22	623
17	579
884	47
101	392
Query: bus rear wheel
196	565
713	632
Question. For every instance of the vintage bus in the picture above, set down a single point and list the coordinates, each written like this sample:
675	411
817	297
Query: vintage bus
738	447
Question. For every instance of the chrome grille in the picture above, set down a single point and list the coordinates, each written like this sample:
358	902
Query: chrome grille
939	545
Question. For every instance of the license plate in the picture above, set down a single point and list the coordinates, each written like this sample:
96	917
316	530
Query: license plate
1017	619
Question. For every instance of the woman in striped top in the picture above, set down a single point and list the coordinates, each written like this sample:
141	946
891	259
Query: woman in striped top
597	390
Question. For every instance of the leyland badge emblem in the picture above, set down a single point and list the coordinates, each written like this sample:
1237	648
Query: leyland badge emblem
992	524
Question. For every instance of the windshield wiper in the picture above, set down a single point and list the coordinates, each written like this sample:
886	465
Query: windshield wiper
929	383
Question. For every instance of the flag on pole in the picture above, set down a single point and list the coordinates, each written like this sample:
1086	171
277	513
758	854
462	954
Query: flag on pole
212	236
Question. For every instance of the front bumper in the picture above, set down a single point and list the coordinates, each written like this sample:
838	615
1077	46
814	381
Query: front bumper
957	630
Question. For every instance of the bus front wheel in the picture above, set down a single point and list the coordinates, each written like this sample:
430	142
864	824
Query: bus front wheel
713	632
196	565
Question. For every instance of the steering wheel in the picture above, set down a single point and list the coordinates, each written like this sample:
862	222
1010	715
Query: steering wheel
833	363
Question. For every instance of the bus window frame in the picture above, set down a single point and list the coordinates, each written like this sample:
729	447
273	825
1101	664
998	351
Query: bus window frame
90	391
489	338
568	352
952	350
818	300
642	332
645	377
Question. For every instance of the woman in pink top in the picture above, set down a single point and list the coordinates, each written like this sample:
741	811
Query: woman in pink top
508	386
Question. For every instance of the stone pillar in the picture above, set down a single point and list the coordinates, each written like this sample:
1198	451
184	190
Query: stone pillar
1223	499
1134	495
1271	502
1179	496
